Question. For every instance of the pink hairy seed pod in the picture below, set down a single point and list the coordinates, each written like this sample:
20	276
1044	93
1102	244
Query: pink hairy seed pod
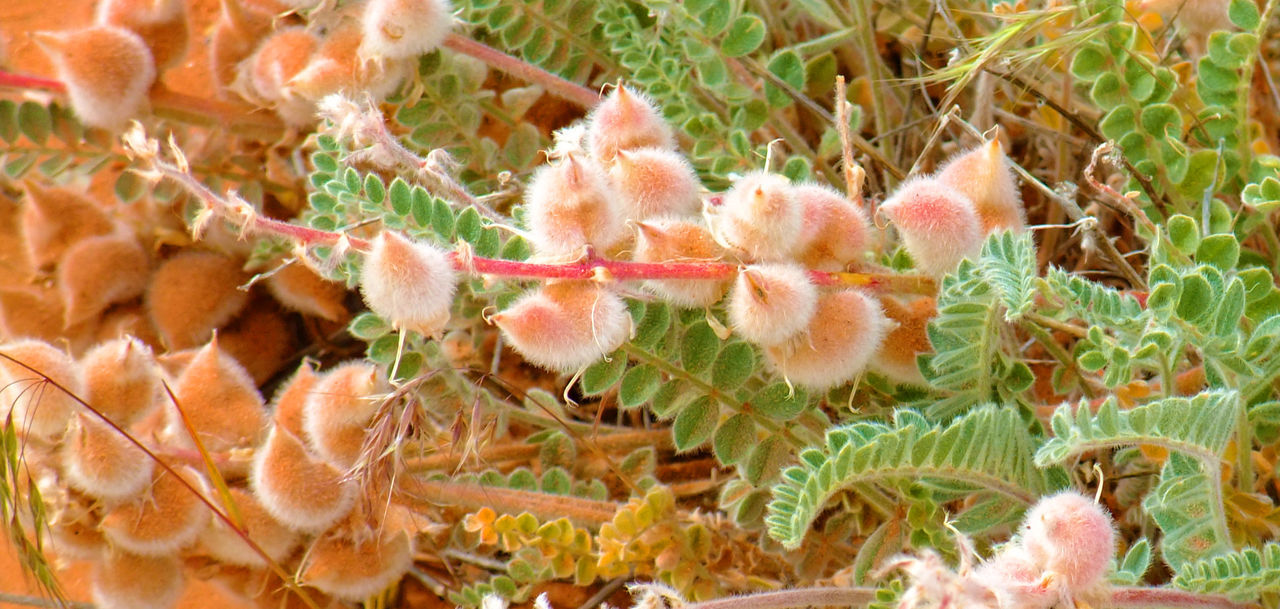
400	29
340	407
565	326
1071	538
408	283
101	463
1199	17
896	358
304	493
771	303
221	543
165	519
761	217
54	219
985	175
836	232
846	329
685	241
654	182
39	409
220	400
626	120
1015	579
569	206
938	224
98	272
127	581
162	25
107	71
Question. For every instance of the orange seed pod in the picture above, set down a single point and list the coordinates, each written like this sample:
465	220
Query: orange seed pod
107	71
408	283
354	571
162	521
938	224
54	219
565	326
340	407
162	25
897	356
101	463
292	398
836	232
846	330
122	380
223	544
219	399
128	581
569	206
190	277
654	182
626	120
98	272
676	240
298	490
1072	538
39	409
238	28
985	175
771	303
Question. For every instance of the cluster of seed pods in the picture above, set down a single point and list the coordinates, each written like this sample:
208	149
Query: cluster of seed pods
618	187
261	49
145	527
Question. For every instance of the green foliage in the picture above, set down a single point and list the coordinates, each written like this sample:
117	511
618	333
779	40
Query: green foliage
1241	575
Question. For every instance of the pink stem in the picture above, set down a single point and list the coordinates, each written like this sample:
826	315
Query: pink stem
26	81
1134	598
559	87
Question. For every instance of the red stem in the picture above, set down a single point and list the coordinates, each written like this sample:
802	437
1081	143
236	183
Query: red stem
26	81
519	68
1134	598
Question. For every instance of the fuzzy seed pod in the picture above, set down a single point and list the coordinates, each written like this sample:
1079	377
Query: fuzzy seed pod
162	25
292	397
337	66
107	71
127	581
98	272
771	303
938	224
985	175
73	530
162	521
190	277
101	463
305	494
340	407
654	182
565	326
223	544
261	339
836	232
265	74
54	219
1199	17
39	410
846	330
897	356
354	571
220	400
1070	537
569	206
626	120
408	283
400	29
36	312
761	217
238	28
299	288
676	240
1014	578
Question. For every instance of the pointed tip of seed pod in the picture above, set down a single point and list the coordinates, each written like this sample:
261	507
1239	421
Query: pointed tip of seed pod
298	490
570	205
401	29
122	380
127	581
565	326
163	520
985	175
161	24
39	410
339	409
54	219
653	182
626	120
219	399
761	217
846	329
213	280
278	58
107	71
1071	536
292	397
771	303
98	272
101	463
408	283
938	224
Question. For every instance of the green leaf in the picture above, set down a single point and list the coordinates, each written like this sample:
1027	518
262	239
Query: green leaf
733	366
734	439
1222	251
401	197
1135	564
789	68
780	402
638	385
8	121
698	347
653	326
1223	53
1242	575
1161	119
695	424
1244	14
602	375
1119	122
442	220
324	162
374	189
1196	299
1108	91
767	460
367	326
1089	63
469	225
1184	233
1008	264
34	121
745	35
1186	504
129	187
1215	78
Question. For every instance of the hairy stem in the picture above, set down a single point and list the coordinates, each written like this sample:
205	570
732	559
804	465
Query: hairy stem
796	597
584	512
519	68
1134	598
